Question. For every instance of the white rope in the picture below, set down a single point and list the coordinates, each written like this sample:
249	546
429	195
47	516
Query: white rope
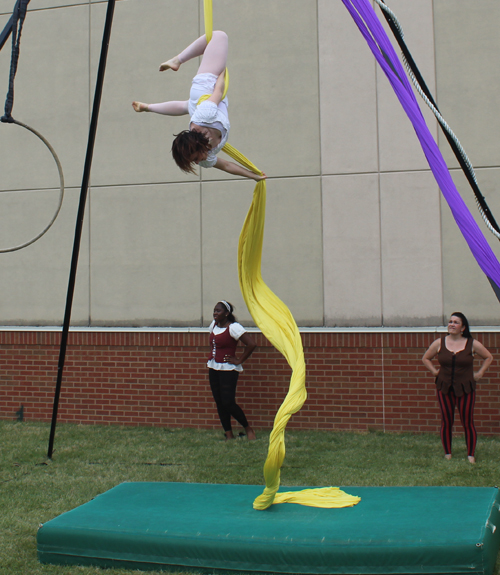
439	118
61	191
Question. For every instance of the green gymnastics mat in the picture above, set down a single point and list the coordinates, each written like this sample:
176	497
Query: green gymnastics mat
200	527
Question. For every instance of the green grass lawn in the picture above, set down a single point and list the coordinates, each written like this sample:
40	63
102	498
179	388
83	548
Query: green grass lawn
89	460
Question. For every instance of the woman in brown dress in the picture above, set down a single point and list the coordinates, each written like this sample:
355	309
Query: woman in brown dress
456	379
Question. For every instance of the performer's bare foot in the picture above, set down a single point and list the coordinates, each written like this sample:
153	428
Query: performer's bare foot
140	107
172	64
471	459
448	456
229	435
250	433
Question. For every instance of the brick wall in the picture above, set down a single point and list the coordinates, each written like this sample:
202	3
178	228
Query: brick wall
355	381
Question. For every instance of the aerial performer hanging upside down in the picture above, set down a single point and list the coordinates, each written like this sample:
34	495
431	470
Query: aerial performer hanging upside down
209	126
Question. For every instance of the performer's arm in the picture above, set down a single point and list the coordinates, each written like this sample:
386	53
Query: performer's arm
429	355
250	345
237	170
483	353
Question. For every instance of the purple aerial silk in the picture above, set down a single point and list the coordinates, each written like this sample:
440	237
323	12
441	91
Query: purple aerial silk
373	32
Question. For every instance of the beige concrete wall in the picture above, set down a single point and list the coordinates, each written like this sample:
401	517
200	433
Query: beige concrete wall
356	232
467	89
378	269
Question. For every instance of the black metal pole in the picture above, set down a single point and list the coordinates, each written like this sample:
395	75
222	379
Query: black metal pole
4	35
80	216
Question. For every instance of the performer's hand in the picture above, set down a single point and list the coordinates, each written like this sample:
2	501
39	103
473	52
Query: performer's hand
258	177
231	359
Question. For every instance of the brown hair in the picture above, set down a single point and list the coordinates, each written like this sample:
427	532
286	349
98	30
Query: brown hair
186	145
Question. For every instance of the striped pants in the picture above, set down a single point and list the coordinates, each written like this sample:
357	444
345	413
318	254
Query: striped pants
465	406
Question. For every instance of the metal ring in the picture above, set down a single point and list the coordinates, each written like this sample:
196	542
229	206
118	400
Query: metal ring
61	190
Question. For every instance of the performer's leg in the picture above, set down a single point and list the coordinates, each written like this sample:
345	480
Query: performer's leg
447	407
466	409
228	395
214	59
228	382
175	108
215	386
192	51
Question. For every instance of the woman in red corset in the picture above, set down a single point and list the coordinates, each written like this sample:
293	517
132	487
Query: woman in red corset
225	367
456	379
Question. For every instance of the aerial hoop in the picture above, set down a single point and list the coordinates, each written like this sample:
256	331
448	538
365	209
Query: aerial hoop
14	27
61	189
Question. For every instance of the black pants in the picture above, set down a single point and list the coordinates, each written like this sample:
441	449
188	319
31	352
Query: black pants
223	386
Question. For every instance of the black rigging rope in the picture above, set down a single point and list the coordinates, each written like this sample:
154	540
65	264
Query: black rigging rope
466	168
16	26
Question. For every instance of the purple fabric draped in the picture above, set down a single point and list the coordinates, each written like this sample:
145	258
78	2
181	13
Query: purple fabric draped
369	25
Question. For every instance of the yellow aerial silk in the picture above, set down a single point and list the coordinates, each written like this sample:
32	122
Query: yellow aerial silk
277	324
